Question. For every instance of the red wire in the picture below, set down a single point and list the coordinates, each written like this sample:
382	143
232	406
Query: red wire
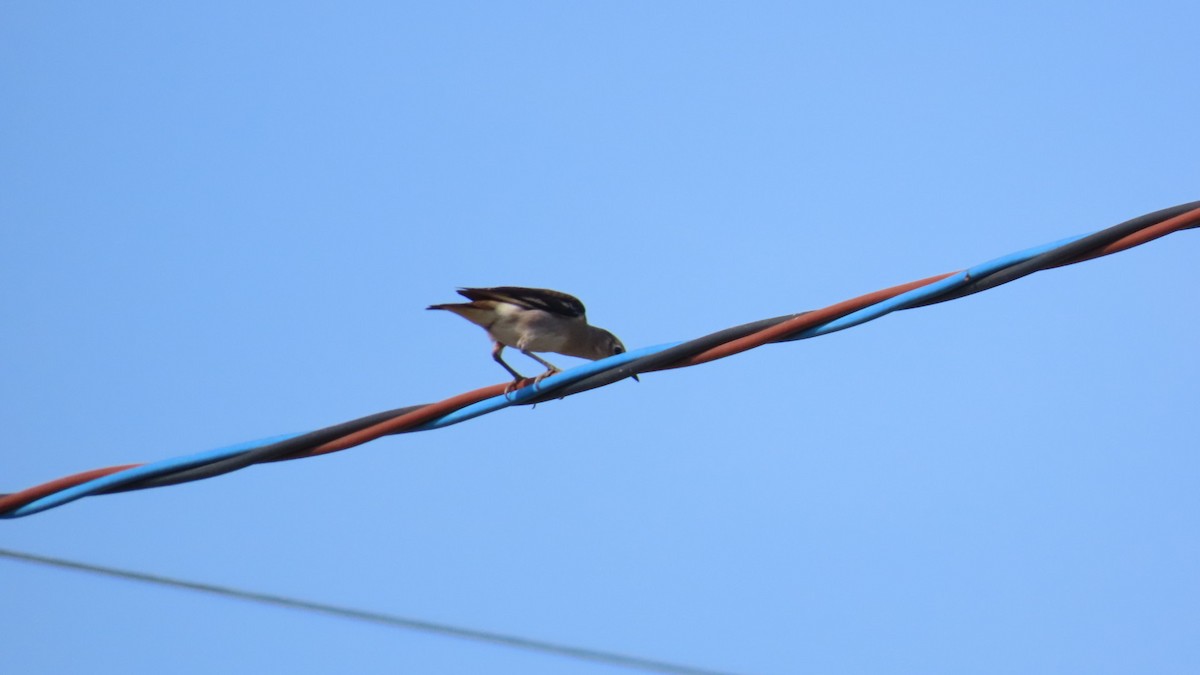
803	322
19	499
406	421
1179	222
444	407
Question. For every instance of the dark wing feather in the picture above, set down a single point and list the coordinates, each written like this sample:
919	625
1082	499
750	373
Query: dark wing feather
544	299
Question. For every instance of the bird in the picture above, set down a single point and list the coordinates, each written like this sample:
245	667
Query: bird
534	320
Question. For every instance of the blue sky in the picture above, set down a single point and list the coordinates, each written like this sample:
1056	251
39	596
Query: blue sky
223	221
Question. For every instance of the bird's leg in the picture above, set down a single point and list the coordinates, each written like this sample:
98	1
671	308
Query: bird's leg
517	377
550	367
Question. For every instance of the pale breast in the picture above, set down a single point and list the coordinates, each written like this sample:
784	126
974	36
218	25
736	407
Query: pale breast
531	330
506	327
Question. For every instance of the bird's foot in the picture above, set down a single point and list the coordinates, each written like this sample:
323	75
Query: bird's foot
538	380
517	383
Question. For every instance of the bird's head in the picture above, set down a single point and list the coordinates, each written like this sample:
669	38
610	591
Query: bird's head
607	345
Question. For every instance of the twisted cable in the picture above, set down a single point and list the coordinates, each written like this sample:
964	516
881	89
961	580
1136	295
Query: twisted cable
718	345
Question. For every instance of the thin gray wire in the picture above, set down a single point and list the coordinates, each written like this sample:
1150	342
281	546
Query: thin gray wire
610	658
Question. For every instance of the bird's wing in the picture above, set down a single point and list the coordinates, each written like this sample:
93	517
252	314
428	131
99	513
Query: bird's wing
544	299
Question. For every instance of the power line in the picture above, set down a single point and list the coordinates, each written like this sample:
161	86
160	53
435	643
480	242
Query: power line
392	620
721	344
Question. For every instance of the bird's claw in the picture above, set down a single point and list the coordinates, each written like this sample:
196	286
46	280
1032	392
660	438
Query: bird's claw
538	380
517	384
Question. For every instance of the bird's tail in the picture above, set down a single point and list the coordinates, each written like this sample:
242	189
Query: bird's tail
471	311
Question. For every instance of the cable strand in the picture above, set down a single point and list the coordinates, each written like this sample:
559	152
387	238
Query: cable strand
717	345
392	620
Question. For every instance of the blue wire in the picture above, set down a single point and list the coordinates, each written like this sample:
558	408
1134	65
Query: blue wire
185	462
547	385
930	291
139	472
902	301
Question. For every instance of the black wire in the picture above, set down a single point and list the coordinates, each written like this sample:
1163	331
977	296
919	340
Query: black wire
516	642
268	453
1075	249
1045	260
305	442
664	358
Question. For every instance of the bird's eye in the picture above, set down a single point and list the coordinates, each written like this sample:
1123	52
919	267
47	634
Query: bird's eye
618	350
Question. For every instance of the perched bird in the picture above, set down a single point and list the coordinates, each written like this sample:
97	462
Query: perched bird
534	320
